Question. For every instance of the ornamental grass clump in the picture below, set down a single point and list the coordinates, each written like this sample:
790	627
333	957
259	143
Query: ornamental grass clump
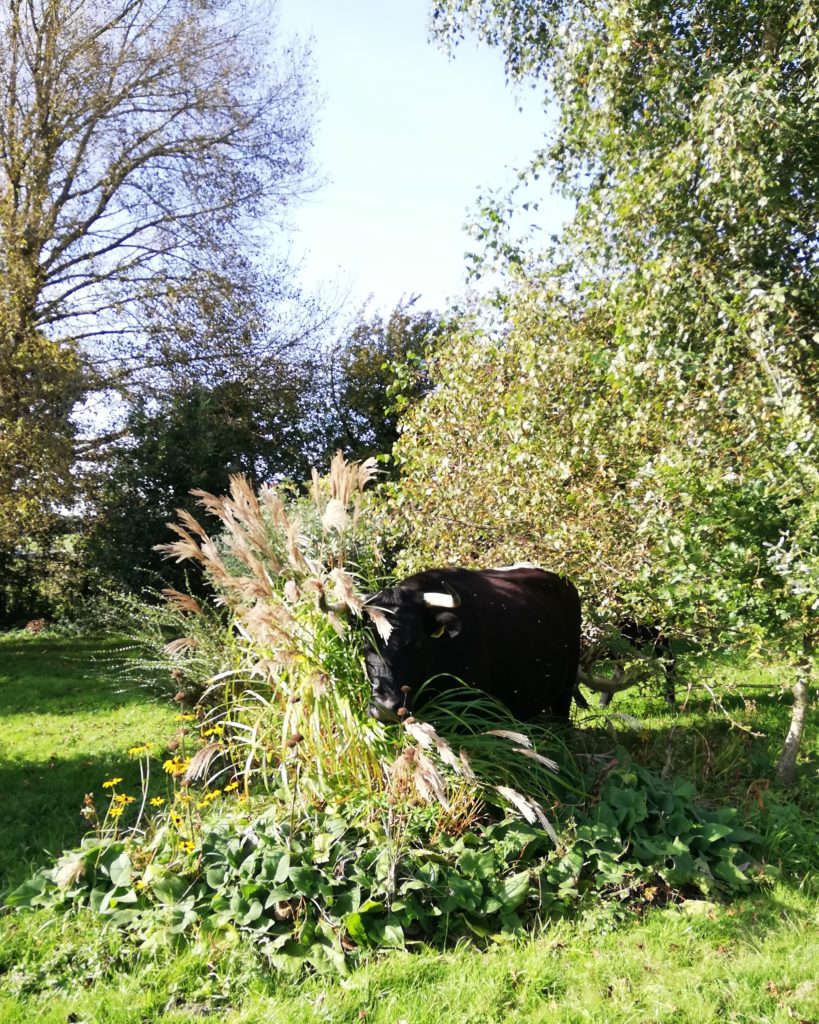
290	707
290	704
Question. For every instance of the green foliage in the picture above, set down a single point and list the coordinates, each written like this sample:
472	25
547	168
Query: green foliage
574	454
40	381
48	577
321	889
534	759
789	835
168	647
376	372
645	834
192	439
526	476
637	406
314	891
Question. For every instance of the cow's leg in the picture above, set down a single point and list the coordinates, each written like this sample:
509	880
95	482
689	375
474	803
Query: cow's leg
561	705
605	700
665	652
669	693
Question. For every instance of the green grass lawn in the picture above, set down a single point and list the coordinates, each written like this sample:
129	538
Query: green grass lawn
67	720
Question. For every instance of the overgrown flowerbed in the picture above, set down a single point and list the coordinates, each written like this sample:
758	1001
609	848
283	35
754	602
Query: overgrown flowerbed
322	889
285	814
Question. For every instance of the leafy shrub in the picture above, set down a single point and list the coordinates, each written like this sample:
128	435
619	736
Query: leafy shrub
315	890
647	835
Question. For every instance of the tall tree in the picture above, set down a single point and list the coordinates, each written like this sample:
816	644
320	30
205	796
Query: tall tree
688	135
140	141
147	150
376	371
650	400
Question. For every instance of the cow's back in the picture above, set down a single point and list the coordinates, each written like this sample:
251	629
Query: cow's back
520	635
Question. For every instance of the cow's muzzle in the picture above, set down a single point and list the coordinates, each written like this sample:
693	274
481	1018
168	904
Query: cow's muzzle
389	710
382	713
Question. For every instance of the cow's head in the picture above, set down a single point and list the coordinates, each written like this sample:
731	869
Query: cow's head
401	651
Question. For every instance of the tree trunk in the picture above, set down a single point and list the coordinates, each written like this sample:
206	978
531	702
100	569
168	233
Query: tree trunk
786	768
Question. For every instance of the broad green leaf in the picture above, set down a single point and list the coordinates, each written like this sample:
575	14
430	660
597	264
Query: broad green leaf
513	890
30	894
477	864
120	870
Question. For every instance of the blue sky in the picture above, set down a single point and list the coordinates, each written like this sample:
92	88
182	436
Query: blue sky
406	139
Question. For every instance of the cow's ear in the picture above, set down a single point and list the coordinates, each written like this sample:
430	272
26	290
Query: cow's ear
445	622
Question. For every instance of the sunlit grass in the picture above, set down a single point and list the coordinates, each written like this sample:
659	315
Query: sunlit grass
66	722
754	960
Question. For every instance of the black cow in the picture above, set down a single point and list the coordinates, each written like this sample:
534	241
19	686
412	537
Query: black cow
514	633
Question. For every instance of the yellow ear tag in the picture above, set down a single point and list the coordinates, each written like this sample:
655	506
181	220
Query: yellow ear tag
438	633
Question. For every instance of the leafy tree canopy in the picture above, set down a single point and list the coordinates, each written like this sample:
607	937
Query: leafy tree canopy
149	152
638	405
197	438
376	372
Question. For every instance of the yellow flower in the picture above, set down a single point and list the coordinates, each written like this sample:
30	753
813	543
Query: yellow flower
121	798
117	810
110	783
138	751
215	730
209	797
157	801
188	846
176	765
231	786
176	818
185	718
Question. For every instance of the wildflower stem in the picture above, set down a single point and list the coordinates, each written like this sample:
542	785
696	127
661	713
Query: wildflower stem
145	778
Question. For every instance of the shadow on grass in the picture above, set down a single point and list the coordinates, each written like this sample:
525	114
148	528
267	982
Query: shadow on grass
729	757
40	803
66	676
